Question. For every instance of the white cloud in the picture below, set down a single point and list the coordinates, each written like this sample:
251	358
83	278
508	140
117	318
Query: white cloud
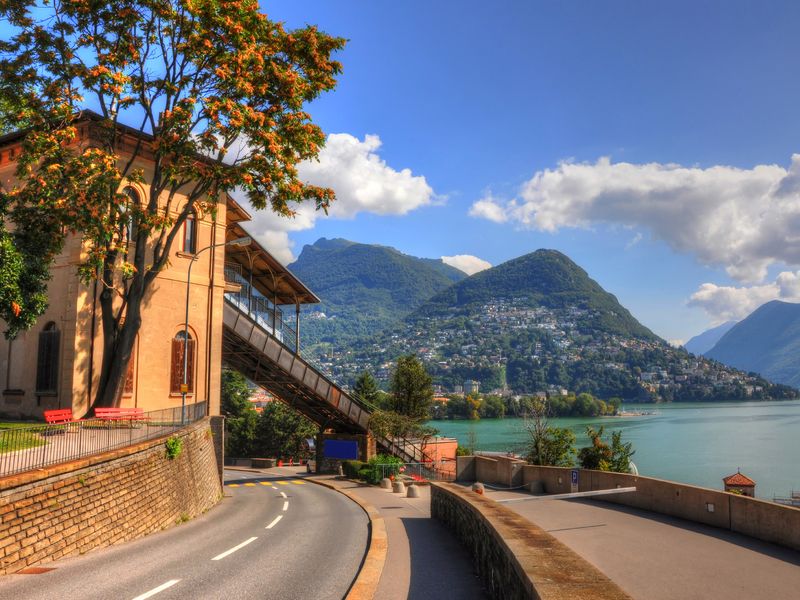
467	263
489	208
742	219
363	182
731	303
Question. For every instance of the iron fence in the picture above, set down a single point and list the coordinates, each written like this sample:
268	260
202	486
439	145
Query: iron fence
419	471
28	448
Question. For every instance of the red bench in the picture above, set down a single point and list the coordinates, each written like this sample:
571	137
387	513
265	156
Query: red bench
59	416
120	414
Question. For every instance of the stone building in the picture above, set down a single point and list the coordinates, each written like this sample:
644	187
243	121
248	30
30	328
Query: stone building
57	363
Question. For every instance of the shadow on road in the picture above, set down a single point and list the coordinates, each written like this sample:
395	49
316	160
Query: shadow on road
440	566
771	550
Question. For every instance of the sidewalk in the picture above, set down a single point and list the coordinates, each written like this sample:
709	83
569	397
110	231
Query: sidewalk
424	559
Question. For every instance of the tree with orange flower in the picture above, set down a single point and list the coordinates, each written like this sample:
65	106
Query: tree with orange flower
213	91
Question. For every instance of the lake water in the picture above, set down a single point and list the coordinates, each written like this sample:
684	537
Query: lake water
691	443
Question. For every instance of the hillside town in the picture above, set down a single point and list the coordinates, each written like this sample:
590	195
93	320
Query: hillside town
508	337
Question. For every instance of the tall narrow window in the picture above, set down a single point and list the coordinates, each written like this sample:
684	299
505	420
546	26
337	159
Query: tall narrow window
190	234
176	368
47	360
127	389
130	225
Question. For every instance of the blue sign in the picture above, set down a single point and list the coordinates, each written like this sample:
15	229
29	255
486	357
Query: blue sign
574	477
340	449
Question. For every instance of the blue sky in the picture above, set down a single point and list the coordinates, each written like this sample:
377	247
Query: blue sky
650	142
693	106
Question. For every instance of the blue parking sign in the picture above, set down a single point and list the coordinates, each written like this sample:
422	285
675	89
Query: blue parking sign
574	480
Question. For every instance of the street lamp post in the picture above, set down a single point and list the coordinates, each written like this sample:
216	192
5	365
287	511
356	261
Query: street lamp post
242	241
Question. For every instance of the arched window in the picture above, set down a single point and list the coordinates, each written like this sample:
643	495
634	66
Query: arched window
190	234
47	361
176	368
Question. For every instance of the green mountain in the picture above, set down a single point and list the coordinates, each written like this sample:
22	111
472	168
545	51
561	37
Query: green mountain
545	278
766	342
364	288
540	323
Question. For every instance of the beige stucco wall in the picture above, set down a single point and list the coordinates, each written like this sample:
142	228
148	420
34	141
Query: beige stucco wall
72	307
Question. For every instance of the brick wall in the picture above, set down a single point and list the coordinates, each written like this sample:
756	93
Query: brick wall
105	499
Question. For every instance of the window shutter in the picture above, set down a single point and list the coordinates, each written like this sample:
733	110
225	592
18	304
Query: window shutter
176	370
177	366
128	388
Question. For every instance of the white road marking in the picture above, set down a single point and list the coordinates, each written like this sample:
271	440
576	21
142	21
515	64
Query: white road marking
274	488
275	522
283	494
234	549
160	588
286	505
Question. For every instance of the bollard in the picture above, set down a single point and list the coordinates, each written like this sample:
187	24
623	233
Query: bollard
477	487
386	483
341	470
413	491
398	487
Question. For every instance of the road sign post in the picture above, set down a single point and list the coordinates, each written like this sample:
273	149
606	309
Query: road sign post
574	481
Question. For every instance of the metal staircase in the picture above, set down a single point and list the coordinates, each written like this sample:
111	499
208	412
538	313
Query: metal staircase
256	343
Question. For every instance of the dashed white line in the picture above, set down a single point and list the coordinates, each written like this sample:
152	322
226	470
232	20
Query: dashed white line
234	549
155	591
286	505
283	494
274	522
274	488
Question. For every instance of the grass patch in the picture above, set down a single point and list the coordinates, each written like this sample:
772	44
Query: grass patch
11	440
18	424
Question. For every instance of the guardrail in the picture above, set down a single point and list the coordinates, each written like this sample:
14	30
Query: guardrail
28	448
269	317
418	472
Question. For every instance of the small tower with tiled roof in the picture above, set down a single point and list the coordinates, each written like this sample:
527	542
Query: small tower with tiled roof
740	484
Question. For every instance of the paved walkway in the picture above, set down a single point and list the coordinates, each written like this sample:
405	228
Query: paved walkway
656	557
424	559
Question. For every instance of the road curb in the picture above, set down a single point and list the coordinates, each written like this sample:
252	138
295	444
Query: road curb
365	585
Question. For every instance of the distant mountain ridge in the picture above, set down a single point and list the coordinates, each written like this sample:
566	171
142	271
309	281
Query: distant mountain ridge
703	342
364	287
544	278
766	342
540	323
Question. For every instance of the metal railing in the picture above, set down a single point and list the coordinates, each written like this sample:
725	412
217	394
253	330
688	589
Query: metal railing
419	471
270	318
28	448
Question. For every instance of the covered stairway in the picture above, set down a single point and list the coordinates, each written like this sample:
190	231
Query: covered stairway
261	344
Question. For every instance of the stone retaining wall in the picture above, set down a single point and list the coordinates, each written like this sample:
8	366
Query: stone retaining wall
514	557
760	519
105	499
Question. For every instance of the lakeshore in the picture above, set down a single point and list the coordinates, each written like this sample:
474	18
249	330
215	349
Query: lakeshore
691	443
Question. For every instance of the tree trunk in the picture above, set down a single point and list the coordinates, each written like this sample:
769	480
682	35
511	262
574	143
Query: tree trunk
118	343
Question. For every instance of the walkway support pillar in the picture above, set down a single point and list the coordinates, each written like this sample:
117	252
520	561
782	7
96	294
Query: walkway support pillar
297	328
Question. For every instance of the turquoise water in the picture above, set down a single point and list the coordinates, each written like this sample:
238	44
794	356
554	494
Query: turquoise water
692	443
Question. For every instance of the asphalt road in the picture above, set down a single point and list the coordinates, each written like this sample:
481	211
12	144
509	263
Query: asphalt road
656	557
270	537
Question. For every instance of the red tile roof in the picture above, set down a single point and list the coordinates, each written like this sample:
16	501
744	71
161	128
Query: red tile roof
738	479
